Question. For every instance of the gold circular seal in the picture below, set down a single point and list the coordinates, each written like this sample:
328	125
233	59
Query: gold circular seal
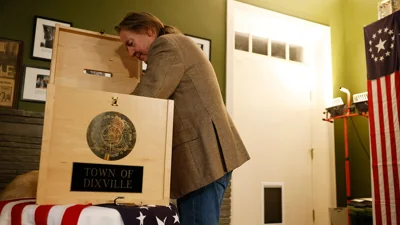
111	136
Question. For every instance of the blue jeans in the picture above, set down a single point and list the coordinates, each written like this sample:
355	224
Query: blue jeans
202	207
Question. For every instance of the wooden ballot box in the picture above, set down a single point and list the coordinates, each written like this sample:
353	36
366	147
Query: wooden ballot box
99	142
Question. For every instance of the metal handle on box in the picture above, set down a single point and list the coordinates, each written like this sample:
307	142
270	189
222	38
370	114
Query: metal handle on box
115	200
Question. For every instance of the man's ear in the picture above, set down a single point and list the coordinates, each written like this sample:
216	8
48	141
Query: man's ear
150	32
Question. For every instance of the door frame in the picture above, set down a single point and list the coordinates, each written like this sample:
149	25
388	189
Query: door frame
230	48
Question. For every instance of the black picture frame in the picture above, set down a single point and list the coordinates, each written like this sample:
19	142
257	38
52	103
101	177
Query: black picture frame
31	90
11	53
43	36
204	44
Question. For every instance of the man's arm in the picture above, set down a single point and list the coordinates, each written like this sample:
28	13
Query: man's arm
164	71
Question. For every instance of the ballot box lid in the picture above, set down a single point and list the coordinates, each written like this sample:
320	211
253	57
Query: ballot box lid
92	60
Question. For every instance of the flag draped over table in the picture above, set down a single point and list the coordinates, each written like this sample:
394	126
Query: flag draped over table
383	73
26	212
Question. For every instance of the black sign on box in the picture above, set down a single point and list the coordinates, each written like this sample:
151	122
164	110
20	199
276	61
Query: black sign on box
106	178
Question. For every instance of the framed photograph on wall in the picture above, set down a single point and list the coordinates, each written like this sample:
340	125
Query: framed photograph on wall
43	38
34	84
10	71
204	44
7	90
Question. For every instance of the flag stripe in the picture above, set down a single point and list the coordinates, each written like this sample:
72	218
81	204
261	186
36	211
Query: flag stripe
71	215
396	151
28	215
5	214
57	213
393	116
4	203
390	143
16	212
41	214
376	193
383	161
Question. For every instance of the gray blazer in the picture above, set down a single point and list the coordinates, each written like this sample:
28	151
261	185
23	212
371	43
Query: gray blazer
206	143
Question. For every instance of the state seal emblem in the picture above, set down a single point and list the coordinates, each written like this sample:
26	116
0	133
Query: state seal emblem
111	136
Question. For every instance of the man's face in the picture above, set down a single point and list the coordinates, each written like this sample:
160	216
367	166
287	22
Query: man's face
137	43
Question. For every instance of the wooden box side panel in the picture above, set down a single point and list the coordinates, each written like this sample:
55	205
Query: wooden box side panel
71	113
168	150
46	139
80	55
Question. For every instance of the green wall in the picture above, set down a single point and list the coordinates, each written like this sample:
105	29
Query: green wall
202	18
206	18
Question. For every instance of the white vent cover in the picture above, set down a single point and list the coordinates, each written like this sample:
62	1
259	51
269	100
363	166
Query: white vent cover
361	97
336	102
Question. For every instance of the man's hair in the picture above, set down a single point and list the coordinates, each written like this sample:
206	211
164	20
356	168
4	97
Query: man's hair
142	21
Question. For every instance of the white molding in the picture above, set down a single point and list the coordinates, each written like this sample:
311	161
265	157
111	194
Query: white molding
230	47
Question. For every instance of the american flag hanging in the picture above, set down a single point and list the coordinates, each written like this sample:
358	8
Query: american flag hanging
383	74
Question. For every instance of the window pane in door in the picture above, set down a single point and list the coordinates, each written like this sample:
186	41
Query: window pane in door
278	49
296	53
242	41
260	45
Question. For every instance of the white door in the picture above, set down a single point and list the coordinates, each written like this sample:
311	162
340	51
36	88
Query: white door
273	113
277	105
